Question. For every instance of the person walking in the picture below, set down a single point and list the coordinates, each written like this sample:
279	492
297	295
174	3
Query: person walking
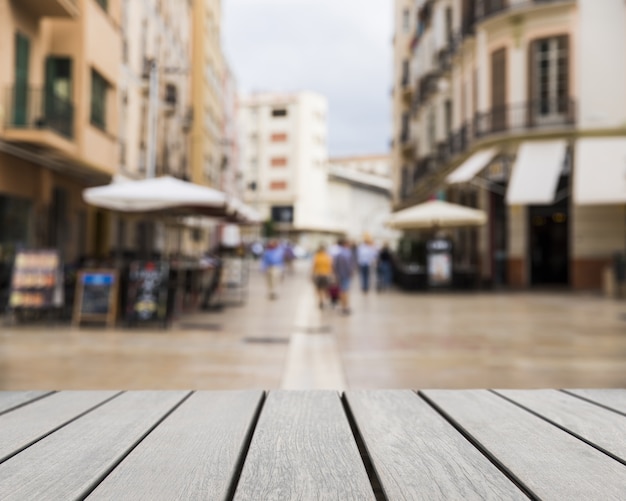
343	265
272	264
322	274
366	256
384	268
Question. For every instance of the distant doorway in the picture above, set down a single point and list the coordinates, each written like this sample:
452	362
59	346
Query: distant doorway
549	243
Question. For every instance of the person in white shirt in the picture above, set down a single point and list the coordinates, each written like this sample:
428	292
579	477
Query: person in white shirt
366	254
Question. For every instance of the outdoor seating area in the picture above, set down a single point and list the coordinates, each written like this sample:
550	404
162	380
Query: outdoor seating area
387	444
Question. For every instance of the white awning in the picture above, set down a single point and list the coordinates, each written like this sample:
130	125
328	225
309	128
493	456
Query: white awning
471	167
600	171
536	173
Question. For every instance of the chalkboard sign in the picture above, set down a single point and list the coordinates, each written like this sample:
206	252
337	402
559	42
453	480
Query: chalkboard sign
147	291
96	296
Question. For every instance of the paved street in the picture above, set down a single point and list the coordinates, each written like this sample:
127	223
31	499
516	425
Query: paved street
392	340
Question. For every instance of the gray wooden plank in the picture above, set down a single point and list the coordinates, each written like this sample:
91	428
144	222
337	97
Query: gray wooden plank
417	454
547	460
612	398
12	399
194	454
71	461
303	448
28	424
601	427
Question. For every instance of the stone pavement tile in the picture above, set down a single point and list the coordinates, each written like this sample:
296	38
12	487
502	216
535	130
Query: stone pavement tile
391	340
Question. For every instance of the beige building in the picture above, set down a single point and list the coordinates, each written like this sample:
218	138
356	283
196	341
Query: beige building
207	84
59	73
518	107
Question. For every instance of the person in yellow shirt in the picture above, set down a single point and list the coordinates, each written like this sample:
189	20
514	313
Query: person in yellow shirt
322	273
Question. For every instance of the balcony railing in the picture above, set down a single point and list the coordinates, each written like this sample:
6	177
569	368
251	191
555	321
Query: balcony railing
519	118
489	8
28	108
507	120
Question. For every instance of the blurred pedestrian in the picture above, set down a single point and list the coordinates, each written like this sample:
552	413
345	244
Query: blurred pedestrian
322	274
343	266
366	256
272	264
384	268
289	257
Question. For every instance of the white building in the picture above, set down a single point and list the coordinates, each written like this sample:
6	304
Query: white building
360	190
284	160
517	107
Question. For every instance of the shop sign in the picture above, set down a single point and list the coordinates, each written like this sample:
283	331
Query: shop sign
147	291
96	296
37	281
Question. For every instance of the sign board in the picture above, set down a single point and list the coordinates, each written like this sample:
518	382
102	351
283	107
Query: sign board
439	262
37	281
147	291
96	296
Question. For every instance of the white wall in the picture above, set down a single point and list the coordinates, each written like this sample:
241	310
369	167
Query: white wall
601	65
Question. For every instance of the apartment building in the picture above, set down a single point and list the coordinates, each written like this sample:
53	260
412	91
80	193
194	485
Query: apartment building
360	189
155	112
284	156
59	72
208	74
518	107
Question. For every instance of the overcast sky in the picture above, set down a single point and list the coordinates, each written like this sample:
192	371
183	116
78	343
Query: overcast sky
338	48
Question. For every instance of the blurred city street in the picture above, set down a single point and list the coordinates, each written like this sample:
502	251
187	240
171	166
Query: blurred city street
391	340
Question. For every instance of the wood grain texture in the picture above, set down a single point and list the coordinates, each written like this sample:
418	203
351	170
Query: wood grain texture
26	425
613	398
68	463
193	454
12	399
599	426
303	448
417	454
550	462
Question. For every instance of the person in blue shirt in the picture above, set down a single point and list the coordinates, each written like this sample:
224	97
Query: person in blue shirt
272	264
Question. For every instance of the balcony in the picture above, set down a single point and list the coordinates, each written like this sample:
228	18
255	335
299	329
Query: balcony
526	117
52	8
38	117
488	9
407	143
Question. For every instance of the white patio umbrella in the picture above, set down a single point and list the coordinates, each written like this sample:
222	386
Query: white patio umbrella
155	194
436	214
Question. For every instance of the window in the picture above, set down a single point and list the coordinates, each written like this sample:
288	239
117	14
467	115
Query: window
278	137
449	29
498	90
99	90
279	112
548	75
104	4
59	114
432	131
278	185
448	116
22	61
278	162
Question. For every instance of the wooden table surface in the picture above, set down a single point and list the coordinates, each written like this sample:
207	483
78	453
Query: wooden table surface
382	444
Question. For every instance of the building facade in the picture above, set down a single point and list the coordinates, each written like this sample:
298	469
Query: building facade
208	73
284	157
516	107
59	73
154	109
360	190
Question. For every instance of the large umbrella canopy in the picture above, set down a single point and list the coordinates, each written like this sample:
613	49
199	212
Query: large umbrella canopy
436	214
155	194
